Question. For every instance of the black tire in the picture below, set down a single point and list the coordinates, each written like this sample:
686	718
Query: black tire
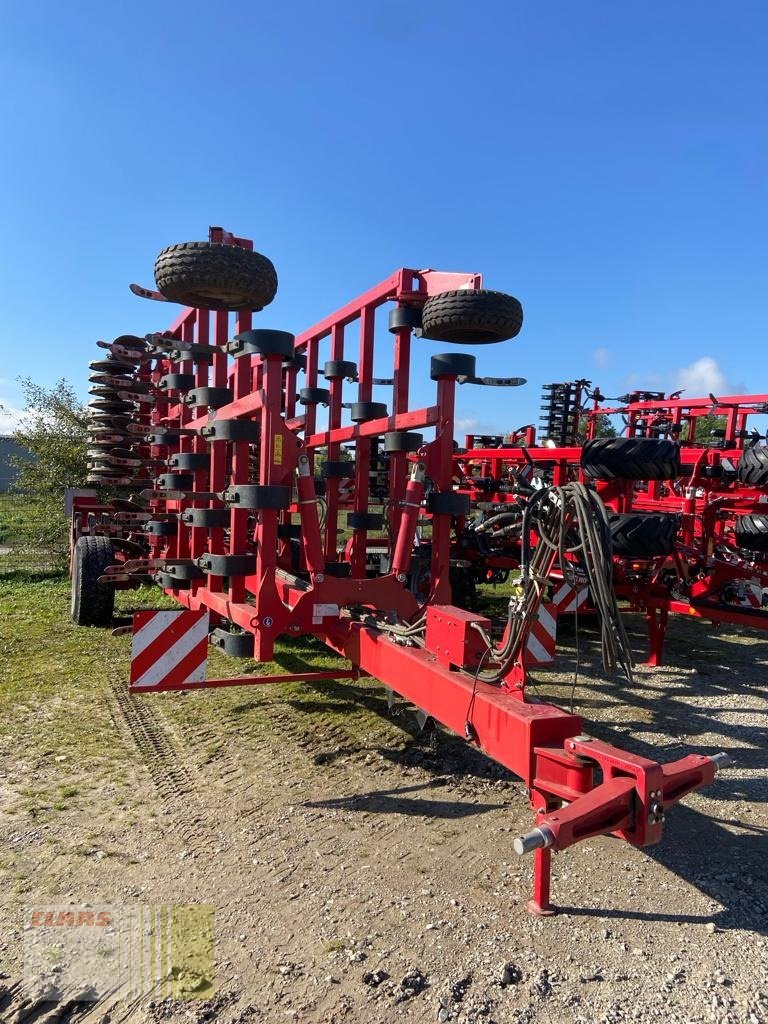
236	645
643	534
753	467
631	458
212	276
365	520
209	518
751	532
402	441
452	364
214	398
263	343
338	470
168	582
448	503
404	317
363	412
258	496
175	482
177	382
162	527
232	430
189	461
314	396
166	438
92	603
340	368
471	317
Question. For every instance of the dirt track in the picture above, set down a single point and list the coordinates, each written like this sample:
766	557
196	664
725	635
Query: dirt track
361	873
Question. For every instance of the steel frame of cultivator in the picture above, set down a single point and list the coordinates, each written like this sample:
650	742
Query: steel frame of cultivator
268	564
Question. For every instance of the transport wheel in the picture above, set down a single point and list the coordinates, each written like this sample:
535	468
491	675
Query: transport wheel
471	317
215	276
751	532
753	467
631	458
92	602
643	534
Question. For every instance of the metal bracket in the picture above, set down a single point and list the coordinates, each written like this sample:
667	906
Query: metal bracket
494	382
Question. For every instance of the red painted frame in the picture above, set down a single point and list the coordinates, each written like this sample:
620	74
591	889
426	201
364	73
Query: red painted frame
541	743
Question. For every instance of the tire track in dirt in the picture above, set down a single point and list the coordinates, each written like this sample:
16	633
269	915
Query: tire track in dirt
169	768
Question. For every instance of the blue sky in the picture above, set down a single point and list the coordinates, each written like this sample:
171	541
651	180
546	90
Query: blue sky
606	163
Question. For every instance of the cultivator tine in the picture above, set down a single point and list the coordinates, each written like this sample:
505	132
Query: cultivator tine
148	293
423	719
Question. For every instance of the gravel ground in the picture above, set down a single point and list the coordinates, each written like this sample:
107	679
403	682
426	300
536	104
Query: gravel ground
362	872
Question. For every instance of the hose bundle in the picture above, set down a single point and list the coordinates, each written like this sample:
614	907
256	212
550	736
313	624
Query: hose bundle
571	524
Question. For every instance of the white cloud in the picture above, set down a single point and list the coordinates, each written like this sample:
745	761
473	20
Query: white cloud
472	425
702	377
10	417
601	356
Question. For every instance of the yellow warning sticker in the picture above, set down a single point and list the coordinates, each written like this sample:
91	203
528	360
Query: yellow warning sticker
277	450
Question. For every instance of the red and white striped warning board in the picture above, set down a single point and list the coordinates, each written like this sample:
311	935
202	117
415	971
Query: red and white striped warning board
168	649
540	646
567	598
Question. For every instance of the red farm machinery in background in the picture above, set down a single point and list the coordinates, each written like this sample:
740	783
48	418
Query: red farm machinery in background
273	494
686	485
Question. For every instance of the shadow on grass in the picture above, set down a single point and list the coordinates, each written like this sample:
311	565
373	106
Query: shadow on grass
41	575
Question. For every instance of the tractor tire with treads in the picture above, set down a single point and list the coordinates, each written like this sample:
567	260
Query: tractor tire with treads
753	467
631	458
468	317
92	602
643	534
215	276
751	532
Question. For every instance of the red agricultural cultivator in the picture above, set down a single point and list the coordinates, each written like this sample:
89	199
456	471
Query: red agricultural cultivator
275	495
686	488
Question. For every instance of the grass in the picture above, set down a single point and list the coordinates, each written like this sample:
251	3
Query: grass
56	708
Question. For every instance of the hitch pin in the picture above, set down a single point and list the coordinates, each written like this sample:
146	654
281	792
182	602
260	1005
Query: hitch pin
537	839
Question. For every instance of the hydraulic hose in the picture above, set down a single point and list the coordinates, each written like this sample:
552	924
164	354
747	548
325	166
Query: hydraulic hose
571	526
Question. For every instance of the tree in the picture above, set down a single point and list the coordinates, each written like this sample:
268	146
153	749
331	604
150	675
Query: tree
53	431
604	427
704	427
